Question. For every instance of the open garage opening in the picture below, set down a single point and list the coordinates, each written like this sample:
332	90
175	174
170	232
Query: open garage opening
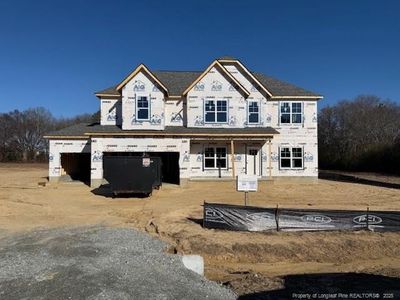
75	167
169	163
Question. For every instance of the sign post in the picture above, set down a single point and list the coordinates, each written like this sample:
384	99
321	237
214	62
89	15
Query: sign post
246	184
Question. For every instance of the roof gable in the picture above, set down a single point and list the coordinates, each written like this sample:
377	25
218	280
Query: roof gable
246	71
140	68
178	83
224	71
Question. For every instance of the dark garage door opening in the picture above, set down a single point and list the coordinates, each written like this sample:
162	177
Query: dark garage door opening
169	160
76	166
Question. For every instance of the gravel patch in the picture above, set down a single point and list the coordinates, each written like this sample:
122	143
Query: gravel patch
97	263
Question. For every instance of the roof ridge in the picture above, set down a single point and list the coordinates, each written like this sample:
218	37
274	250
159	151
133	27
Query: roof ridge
177	71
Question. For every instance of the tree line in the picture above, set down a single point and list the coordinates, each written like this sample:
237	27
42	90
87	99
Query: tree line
362	134
21	133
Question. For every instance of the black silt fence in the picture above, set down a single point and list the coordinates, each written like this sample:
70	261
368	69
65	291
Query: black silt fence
250	218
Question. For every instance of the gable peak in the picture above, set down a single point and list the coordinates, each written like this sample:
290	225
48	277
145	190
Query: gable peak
227	57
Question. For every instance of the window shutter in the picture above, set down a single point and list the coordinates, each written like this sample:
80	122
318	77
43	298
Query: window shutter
302	113
302	153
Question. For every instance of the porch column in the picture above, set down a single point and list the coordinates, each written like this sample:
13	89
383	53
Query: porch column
269	159
233	158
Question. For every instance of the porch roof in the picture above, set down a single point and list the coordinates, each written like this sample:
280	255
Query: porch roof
85	130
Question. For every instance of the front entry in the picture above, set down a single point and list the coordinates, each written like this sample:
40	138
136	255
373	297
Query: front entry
253	161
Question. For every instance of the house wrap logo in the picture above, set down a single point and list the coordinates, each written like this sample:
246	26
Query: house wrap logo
372	220
320	219
97	156
214	215
259	217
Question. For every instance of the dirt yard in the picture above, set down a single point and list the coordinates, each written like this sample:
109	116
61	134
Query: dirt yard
248	262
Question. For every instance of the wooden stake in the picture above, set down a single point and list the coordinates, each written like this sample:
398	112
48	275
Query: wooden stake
277	217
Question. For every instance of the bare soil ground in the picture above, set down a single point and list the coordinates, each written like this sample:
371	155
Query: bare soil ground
248	262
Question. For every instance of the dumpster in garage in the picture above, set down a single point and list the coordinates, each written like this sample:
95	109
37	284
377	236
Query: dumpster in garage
132	174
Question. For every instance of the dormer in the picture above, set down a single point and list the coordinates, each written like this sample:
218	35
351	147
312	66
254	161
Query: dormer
214	97
143	97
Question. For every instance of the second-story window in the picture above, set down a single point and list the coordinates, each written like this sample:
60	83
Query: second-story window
253	112
142	108
216	111
291	113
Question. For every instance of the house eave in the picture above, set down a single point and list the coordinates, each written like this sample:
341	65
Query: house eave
65	137
196	135
298	97
107	95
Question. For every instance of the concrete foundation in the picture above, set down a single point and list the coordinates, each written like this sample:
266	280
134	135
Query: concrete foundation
95	183
54	179
183	182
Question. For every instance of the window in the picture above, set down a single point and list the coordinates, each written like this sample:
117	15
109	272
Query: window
142	108
253	112
296	112
215	157
291	112
216	111
291	158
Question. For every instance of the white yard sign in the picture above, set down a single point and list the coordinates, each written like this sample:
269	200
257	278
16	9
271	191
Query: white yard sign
247	183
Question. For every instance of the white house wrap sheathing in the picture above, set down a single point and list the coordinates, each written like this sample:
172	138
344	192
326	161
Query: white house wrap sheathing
252	154
64	146
101	145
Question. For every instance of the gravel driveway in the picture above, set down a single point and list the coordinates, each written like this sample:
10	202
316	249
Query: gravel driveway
97	263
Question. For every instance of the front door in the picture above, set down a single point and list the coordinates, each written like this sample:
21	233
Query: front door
253	161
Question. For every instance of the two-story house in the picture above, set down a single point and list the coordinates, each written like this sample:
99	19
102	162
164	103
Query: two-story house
216	123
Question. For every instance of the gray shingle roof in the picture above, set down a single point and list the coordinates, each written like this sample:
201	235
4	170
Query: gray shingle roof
82	128
110	91
226	57
177	82
280	88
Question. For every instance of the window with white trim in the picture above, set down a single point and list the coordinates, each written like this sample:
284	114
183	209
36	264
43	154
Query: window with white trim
142	108
291	112
253	112
215	158
291	158
215	111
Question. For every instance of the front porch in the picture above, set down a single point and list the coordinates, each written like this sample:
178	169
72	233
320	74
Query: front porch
225	158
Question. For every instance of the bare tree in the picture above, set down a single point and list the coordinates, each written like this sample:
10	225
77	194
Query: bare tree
21	137
360	134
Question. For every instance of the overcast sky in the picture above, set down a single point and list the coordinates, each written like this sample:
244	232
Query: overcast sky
56	54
